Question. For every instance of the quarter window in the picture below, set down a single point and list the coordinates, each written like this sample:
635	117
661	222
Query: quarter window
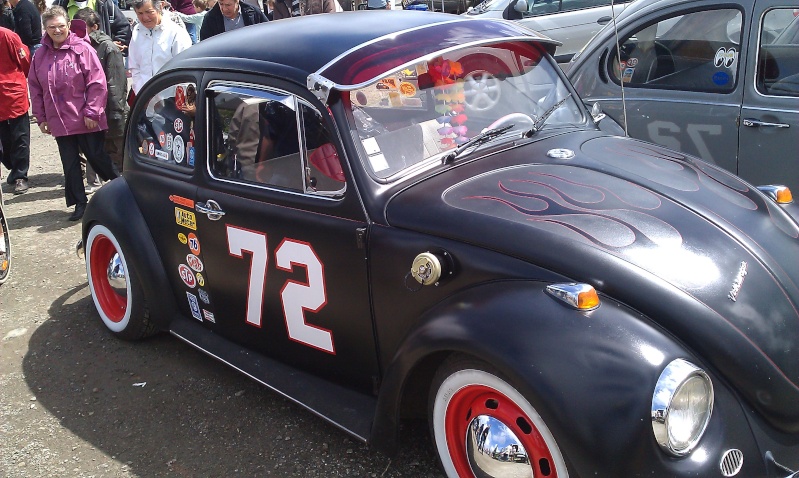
165	129
778	54
693	52
272	139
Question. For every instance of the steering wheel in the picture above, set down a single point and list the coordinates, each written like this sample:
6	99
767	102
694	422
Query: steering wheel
509	117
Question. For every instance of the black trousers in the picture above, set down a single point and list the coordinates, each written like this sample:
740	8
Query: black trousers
15	135
92	145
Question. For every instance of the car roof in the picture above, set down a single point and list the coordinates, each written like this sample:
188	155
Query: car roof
344	50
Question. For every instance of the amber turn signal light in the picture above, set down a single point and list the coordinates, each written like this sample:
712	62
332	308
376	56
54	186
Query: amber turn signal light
778	193
576	295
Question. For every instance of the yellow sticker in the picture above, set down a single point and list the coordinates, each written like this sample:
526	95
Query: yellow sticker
200	280
182	238
185	218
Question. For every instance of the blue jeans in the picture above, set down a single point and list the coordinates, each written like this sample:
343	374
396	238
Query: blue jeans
192	29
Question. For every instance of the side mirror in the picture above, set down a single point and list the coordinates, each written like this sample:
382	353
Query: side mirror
470	10
520	6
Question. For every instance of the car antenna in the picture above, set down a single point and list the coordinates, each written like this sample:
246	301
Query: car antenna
618	59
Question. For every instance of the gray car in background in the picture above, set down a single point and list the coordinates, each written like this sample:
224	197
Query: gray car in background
718	81
571	22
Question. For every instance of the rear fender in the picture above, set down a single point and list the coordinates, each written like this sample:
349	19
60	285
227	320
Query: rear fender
125	220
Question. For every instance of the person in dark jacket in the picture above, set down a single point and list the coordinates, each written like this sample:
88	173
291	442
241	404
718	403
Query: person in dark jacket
7	17
112	21
116	107
230	15
28	23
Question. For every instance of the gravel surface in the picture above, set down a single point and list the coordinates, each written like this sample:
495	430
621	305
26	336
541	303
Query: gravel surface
77	402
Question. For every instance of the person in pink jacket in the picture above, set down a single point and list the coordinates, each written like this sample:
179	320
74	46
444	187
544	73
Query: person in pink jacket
68	95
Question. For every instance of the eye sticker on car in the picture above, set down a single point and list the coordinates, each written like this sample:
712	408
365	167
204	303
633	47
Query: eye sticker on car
725	57
194	306
185	218
200	280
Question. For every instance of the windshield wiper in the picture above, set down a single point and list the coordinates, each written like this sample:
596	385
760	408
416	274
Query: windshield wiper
539	123
477	140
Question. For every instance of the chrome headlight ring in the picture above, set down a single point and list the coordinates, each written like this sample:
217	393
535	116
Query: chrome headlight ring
681	407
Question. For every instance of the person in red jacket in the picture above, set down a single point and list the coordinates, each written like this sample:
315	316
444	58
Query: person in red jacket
15	128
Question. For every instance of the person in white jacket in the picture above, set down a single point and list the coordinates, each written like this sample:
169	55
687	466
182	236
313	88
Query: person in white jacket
156	39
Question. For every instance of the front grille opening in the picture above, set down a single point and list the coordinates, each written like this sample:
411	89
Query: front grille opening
731	462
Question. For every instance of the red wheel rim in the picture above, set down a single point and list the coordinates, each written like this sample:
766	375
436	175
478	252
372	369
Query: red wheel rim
476	400
112	304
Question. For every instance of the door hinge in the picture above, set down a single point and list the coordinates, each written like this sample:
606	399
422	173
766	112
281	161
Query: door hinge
360	237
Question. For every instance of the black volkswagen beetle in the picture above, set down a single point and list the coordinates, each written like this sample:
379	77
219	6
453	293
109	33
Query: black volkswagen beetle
352	217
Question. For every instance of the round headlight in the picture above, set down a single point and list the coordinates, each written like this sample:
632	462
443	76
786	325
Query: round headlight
681	407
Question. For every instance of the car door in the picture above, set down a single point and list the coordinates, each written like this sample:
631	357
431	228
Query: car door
571	22
769	129
284	264
681	73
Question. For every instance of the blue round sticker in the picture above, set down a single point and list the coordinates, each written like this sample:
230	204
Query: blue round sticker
721	78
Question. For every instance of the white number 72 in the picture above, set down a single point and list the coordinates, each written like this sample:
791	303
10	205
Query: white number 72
296	297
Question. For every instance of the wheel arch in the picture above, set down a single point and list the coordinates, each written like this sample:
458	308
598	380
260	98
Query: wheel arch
126	221
554	362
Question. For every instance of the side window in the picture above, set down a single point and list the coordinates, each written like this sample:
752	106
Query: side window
256	139
697	51
165	129
778	54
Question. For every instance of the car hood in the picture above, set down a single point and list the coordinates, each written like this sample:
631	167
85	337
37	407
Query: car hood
697	250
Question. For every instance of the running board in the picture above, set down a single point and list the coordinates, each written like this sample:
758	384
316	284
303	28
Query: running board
351	411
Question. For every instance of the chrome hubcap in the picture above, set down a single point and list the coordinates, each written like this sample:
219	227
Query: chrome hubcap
494	451
116	275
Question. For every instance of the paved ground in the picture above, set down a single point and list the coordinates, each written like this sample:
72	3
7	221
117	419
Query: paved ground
76	402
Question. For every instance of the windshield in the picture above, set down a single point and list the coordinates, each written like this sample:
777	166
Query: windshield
421	113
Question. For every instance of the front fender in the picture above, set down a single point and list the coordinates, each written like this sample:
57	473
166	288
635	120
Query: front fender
590	375
125	220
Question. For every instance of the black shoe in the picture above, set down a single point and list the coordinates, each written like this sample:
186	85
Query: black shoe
79	210
21	186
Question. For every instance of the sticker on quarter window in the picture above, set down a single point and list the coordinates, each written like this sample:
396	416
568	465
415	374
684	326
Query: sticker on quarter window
725	57
721	78
169	142
370	145
378	162
632	62
627	75
162	139
162	155
185	218
194	306
178	149
178	125
151	149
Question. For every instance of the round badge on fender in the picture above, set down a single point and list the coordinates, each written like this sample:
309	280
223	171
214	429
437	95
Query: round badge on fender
560	153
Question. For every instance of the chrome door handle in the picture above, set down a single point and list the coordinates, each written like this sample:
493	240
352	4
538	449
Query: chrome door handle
211	208
604	20
753	123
